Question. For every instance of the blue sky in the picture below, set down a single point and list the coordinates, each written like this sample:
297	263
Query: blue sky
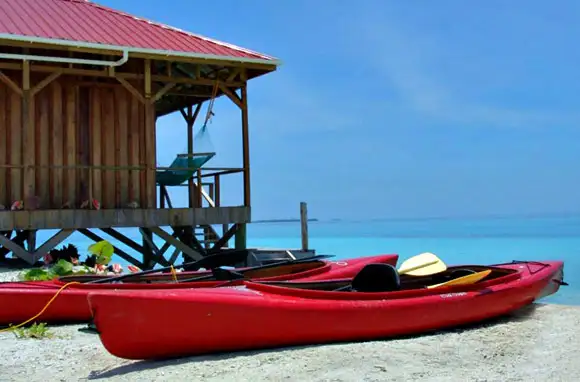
395	108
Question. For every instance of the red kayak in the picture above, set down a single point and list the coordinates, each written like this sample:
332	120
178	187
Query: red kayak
23	300
374	304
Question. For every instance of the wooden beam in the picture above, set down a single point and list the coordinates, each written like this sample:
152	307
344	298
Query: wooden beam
126	217
191	118
42	84
124	75
246	146
234	73
304	225
231	95
184	115
49	245
17	249
174	256
31	240
148	81
177	243
123	239
131	89
11	84
162	92
158	256
224	239
191	81
166	246
119	252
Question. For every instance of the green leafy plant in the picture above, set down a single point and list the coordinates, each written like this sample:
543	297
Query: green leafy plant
62	268
64	262
103	250
36	274
35	331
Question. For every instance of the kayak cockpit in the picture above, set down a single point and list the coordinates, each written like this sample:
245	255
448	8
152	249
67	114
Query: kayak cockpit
385	278
248	273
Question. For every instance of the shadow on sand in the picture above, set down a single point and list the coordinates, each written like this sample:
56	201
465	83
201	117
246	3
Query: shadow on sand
520	315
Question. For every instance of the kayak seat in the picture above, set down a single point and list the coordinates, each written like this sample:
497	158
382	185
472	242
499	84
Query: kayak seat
377	277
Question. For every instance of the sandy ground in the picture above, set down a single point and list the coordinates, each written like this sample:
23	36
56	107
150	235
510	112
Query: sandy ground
538	343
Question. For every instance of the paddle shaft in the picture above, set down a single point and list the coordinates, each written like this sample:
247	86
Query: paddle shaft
193	263
272	265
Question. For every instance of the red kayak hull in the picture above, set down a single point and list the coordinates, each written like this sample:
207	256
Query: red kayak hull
174	323
25	299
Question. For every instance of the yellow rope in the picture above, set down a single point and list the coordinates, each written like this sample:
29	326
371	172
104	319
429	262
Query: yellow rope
173	273
210	105
43	309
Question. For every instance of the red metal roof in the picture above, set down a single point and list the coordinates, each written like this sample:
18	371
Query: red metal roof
82	21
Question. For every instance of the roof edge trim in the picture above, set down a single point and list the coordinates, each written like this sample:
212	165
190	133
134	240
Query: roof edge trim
130	49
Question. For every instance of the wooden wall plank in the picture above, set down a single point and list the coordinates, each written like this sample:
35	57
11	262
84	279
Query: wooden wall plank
140	128
56	175
134	128
148	126
16	175
70	146
8	150
83	143
28	135
116	149
151	159
42	148
123	178
4	128
108	132
96	107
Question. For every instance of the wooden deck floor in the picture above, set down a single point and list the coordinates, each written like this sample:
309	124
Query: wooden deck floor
75	219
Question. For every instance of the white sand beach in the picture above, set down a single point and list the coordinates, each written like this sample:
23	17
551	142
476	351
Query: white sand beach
538	343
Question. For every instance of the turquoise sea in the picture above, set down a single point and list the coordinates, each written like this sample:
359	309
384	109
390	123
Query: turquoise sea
455	241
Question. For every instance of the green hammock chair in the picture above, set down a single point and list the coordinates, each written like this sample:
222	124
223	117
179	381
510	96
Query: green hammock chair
177	177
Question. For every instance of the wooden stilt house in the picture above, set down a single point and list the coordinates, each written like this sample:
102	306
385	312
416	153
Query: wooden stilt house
81	88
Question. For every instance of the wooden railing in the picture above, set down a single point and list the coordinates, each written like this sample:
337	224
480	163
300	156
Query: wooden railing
209	178
197	187
200	197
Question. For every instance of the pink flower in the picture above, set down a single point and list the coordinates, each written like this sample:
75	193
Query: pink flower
47	259
133	269
117	268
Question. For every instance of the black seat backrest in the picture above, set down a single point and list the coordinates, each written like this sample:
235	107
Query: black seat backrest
377	277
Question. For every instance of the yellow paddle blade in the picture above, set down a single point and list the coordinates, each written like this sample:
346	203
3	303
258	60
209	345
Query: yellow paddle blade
464	280
422	265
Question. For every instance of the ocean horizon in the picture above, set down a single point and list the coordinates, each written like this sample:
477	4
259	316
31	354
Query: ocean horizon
454	240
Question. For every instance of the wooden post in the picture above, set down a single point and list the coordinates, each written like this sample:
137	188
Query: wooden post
246	146
241	238
190	122
190	116
149	133
147	250
304	225
241	234
28	137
